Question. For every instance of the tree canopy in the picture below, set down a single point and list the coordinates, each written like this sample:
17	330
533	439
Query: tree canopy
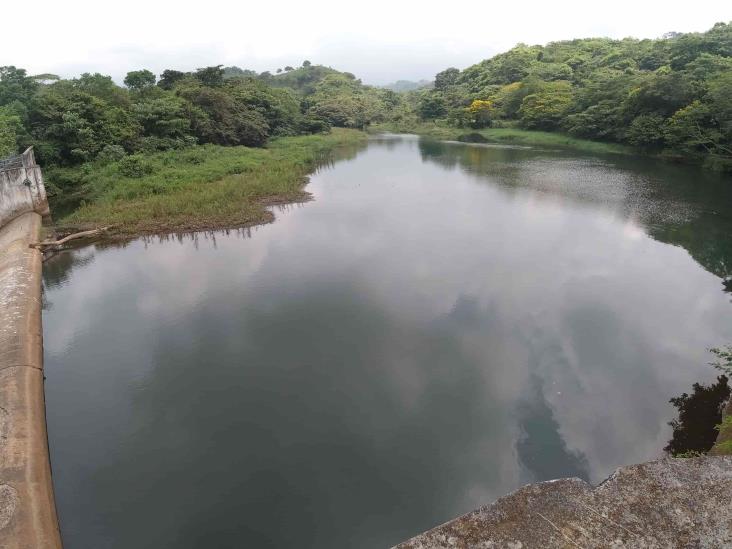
671	95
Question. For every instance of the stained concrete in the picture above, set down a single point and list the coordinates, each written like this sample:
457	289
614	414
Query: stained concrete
669	503
22	189
27	509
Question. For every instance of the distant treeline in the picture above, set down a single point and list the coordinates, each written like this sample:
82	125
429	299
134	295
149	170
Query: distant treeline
91	118
408	85
672	95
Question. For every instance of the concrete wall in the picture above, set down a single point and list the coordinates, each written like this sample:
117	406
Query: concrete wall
27	509
671	503
22	190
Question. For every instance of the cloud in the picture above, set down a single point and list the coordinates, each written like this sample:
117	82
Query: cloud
386	41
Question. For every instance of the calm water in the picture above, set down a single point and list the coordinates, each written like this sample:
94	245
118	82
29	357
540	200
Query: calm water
441	325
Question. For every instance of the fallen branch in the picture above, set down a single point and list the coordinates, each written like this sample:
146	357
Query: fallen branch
57	243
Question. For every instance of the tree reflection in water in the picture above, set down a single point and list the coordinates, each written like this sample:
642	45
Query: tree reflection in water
699	414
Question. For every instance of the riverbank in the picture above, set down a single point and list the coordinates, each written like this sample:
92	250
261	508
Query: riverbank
198	188
507	136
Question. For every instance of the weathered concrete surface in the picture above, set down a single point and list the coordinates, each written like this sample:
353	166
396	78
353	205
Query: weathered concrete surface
27	509
22	189
669	503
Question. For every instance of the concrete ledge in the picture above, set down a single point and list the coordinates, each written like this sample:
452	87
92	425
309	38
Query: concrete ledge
27	509
669	503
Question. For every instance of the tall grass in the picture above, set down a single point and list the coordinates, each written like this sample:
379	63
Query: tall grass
203	187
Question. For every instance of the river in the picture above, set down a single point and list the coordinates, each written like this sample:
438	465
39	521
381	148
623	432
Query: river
442	324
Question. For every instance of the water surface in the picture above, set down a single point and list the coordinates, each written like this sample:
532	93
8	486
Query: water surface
442	324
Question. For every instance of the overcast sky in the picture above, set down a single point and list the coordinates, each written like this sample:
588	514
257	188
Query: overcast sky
378	40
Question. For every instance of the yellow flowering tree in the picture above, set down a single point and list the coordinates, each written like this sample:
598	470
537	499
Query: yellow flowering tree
481	113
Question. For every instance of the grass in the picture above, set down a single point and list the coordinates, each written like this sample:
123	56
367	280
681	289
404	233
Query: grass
723	445
513	136
199	188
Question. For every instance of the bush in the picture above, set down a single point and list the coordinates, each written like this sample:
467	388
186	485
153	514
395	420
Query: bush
111	153
135	166
646	131
474	137
314	125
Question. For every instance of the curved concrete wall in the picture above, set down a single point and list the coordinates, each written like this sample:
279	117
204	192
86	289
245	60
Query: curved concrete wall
27	509
22	189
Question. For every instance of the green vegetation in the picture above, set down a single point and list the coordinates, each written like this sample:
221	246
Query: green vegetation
724	359
512	136
699	415
71	122
339	98
175	152
401	86
203	187
103	144
671	96
701	423
724	442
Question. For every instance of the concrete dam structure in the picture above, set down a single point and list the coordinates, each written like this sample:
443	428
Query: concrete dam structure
27	508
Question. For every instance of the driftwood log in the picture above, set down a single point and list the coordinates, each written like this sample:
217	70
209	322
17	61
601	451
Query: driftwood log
64	240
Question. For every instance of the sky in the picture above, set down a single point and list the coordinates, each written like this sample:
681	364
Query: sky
380	40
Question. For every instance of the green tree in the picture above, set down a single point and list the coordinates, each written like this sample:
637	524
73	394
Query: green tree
647	130
164	121
71	125
546	107
431	105
211	76
221	119
16	85
10	125
139	80
102	87
169	78
446	78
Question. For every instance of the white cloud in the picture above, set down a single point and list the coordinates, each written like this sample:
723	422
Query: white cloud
379	40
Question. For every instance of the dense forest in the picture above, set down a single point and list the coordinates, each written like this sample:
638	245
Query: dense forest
91	118
671	95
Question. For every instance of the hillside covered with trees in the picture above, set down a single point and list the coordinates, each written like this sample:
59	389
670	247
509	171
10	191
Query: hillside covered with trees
90	117
89	130
672	95
172	152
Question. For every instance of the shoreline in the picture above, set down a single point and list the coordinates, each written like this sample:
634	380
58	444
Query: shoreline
509	136
203	188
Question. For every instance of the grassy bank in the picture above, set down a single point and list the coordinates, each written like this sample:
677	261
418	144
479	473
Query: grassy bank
202	187
508	136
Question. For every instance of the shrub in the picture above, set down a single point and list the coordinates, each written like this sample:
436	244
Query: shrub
314	125
111	153
135	166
